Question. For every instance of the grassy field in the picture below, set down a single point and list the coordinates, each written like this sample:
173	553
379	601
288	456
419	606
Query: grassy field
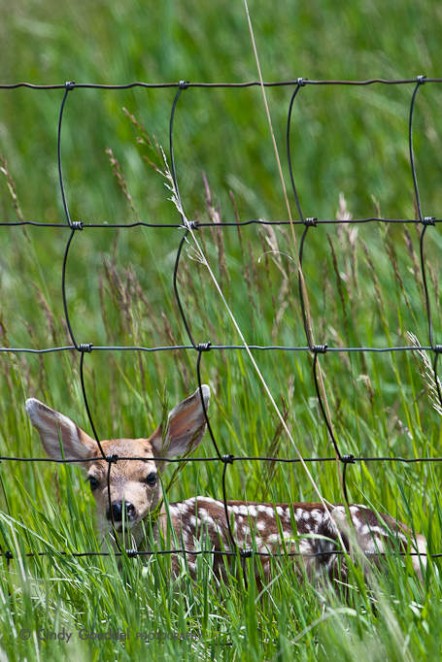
364	284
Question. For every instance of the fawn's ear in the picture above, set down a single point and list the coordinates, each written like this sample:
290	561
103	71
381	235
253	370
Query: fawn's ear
185	427
61	438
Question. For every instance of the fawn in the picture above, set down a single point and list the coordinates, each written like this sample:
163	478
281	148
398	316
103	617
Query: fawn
129	498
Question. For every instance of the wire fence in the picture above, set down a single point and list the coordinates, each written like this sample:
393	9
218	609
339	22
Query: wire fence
73	227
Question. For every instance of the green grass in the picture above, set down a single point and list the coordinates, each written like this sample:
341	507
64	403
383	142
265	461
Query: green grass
364	286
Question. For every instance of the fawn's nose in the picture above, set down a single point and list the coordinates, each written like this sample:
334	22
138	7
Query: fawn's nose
120	510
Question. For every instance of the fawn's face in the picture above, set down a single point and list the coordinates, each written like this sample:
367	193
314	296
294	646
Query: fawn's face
126	490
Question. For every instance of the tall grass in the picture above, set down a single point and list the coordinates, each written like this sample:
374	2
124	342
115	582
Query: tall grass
364	285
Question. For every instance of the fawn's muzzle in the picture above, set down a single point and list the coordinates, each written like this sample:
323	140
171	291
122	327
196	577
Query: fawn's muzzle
121	510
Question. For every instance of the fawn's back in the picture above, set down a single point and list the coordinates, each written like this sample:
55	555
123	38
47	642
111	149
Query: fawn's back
315	532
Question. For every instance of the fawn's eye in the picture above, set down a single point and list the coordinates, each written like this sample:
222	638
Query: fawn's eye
93	482
151	478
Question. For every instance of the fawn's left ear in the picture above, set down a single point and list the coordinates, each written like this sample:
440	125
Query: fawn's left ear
185	427
61	437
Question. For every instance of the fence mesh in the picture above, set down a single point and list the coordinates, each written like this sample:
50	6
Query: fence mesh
189	228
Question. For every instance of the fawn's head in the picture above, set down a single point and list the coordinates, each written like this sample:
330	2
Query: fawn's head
125	490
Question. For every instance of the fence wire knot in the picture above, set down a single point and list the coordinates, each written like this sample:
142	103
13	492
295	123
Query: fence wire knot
77	225
437	349
204	346
421	79
85	348
311	221
319	349
112	459
245	553
301	81
227	459
69	85
183	84
132	553
348	459
429	220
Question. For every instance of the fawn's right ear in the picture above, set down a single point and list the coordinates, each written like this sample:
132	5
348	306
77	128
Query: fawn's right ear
61	437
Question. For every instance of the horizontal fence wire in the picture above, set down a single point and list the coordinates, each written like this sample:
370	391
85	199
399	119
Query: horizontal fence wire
207	85
187	227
